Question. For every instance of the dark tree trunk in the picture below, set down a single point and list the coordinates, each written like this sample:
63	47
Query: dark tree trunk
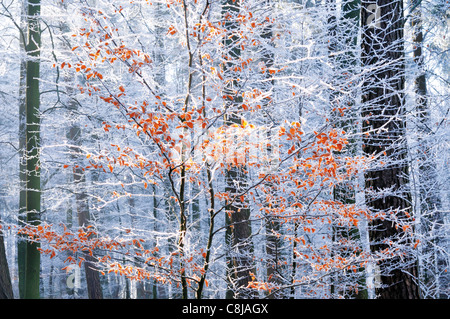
21	243
238	235
6	291
33	182
384	133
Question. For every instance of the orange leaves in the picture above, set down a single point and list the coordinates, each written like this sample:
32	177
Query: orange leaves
93	75
84	239
321	138
293	133
172	30
261	286
309	229
108	99
189	124
292	168
291	150
218	73
331	140
313	168
101	46
320	164
106	126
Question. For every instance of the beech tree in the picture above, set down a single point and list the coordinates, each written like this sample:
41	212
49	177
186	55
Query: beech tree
228	149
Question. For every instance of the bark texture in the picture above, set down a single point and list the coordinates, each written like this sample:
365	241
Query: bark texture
238	235
387	189
6	291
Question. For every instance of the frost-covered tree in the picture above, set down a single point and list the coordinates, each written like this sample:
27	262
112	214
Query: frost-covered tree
217	149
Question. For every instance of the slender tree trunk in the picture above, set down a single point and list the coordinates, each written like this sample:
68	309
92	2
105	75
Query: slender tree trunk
209	176
33	189
387	187
211	232
21	244
167	208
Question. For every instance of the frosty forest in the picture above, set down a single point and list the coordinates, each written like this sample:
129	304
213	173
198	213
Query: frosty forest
224	149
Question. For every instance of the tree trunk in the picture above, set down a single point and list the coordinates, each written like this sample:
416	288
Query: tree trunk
430	206
33	189
6	291
92	275
427	175
82	205
386	186
79	180
272	224
21	243
345	63
238	234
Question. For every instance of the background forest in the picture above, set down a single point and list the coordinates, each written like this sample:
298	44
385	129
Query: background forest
224	149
